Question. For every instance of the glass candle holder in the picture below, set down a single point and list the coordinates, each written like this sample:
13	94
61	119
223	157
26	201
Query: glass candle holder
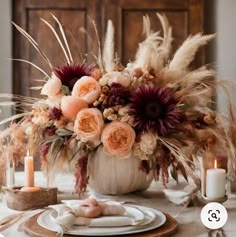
10	172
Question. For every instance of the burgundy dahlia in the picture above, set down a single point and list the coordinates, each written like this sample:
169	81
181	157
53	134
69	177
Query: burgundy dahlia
70	73
154	109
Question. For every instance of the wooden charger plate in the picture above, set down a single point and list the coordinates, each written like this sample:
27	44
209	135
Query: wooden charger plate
33	229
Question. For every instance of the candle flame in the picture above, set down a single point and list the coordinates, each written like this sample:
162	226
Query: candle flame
28	153
215	164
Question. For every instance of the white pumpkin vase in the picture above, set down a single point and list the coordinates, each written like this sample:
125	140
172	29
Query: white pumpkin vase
111	175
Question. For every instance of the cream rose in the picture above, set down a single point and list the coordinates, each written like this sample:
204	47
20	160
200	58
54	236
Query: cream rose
52	87
88	125
115	77
118	139
55	100
148	142
87	88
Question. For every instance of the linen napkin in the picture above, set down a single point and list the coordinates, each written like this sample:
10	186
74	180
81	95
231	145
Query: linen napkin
109	207
65	215
181	197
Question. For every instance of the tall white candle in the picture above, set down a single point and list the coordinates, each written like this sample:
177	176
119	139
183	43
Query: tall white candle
29	171
215	183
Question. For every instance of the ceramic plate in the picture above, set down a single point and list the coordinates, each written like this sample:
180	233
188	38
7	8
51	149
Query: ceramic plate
152	220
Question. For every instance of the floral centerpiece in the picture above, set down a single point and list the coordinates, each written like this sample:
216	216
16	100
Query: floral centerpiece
154	109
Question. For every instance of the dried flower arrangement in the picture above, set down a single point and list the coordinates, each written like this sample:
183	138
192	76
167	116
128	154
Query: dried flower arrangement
154	108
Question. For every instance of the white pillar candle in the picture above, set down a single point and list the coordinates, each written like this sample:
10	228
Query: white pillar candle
29	171
215	183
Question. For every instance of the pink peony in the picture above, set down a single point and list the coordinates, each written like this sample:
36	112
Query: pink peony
71	105
87	88
118	139
89	124
52	87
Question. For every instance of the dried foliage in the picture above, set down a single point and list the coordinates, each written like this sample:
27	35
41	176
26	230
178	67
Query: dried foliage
154	108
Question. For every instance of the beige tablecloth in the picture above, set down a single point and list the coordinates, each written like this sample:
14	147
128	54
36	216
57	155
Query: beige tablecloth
188	218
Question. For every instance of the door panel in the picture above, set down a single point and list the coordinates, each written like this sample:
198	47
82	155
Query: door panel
47	41
185	16
133	26
75	16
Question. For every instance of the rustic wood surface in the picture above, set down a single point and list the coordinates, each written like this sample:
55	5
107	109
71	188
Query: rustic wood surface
33	229
21	201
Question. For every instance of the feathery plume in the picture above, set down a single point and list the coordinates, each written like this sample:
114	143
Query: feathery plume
147	56
147	26
108	50
154	50
185	54
164	49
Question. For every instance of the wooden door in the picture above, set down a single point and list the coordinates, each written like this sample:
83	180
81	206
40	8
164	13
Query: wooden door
186	17
74	15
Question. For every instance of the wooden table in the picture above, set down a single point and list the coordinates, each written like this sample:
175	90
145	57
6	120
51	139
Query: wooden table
188	218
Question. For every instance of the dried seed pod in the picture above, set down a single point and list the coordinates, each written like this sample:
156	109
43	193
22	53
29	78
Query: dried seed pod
105	89
209	119
112	117
123	111
96	103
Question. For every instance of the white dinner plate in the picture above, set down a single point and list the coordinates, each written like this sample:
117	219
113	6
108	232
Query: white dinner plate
152	220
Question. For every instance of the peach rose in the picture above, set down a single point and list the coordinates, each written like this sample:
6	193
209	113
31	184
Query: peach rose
118	139
116	77
52	87
87	88
88	125
71	105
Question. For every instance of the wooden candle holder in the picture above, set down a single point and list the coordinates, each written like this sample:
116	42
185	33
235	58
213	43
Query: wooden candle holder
20	200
